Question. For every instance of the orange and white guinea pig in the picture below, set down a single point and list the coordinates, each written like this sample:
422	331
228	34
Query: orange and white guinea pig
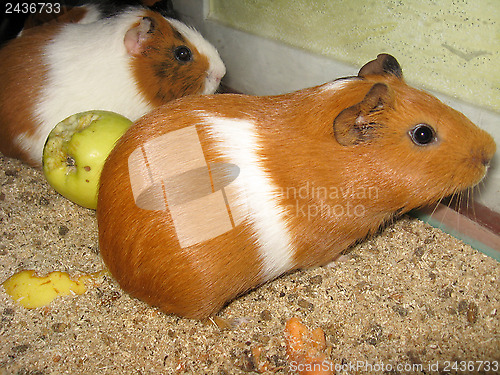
209	196
128	63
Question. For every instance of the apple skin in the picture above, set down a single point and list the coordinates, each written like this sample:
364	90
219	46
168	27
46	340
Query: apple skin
75	152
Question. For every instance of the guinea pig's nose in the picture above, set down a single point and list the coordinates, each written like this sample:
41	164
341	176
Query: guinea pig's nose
215	77
216	73
485	154
483	158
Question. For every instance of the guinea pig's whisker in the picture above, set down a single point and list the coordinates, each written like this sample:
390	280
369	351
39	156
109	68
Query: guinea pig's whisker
436	205
479	187
461	197
470	201
463	200
473	206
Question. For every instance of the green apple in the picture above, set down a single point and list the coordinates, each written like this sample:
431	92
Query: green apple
75	152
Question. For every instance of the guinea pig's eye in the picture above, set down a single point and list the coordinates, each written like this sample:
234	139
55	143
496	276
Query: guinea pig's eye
422	135
183	54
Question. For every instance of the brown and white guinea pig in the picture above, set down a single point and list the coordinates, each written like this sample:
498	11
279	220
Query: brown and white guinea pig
209	196
128	63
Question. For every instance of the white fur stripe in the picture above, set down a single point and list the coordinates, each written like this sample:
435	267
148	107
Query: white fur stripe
238	140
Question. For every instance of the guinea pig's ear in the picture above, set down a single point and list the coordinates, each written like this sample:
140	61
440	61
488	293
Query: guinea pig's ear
384	64
137	35
359	123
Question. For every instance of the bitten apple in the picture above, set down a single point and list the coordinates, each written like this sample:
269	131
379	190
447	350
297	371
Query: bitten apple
76	150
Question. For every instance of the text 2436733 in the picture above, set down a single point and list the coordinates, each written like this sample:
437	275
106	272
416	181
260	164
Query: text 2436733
31	8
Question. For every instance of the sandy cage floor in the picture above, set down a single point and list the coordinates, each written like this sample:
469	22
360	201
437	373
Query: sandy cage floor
409	299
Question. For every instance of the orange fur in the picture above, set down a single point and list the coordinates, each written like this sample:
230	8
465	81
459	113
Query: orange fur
161	270
159	77
17	101
383	175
